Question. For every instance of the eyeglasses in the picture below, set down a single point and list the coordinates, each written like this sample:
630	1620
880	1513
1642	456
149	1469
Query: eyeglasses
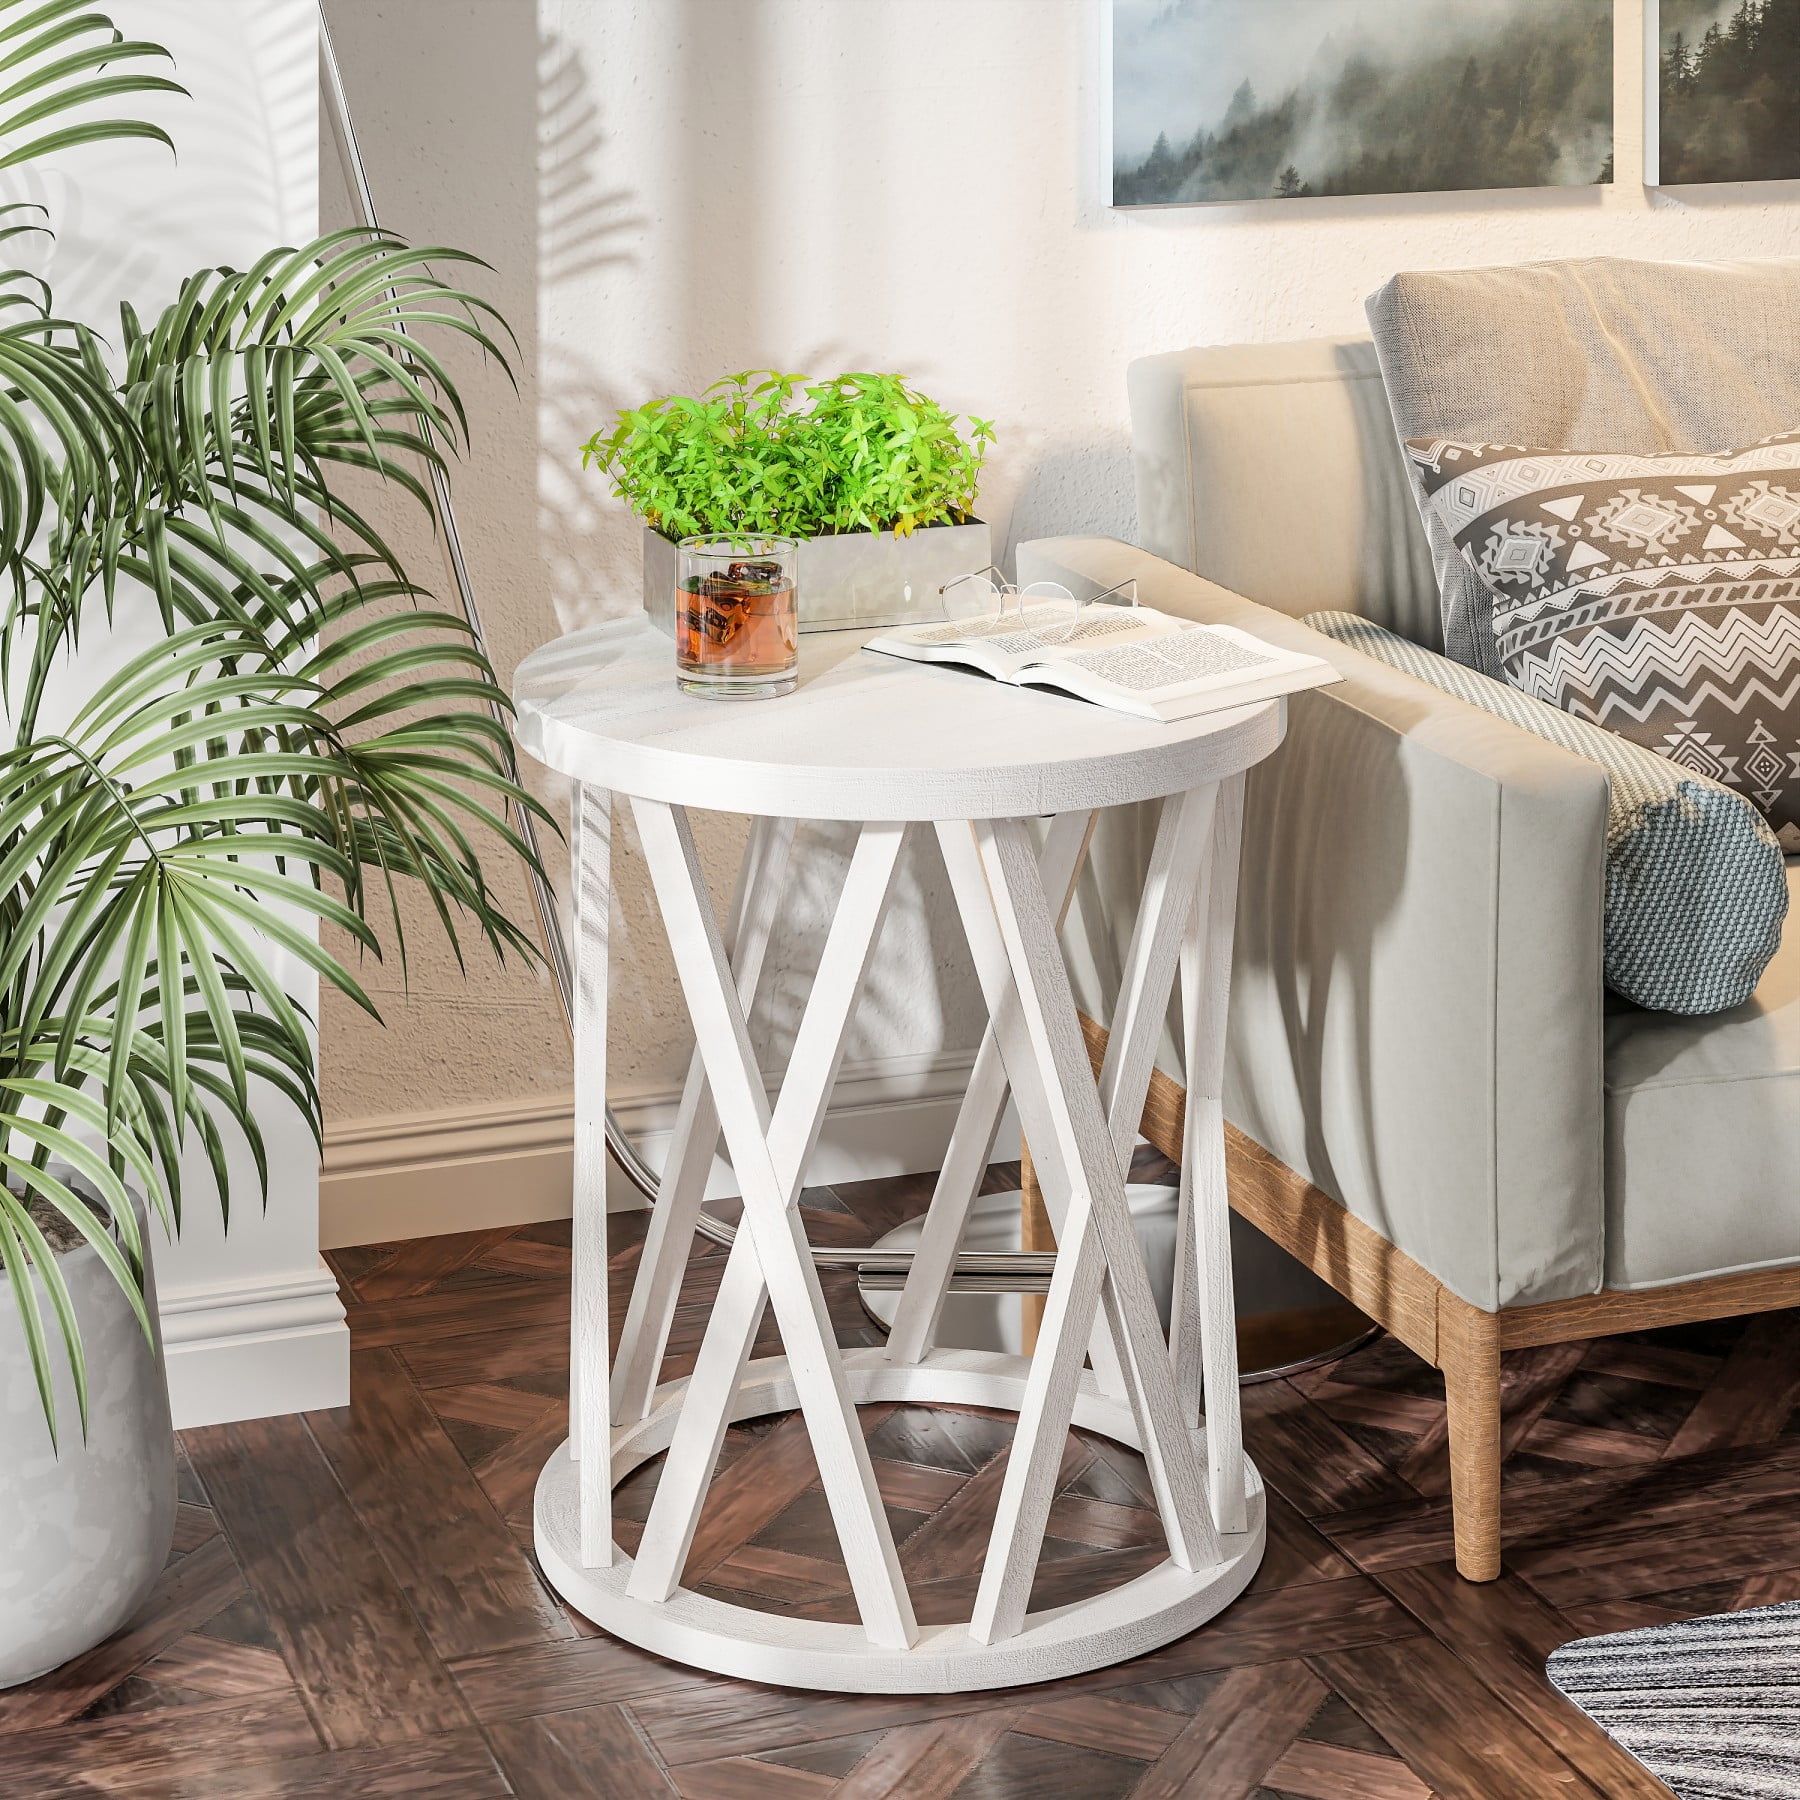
985	601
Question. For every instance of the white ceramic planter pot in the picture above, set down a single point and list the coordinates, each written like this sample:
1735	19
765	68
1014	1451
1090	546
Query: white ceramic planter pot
88	1526
854	582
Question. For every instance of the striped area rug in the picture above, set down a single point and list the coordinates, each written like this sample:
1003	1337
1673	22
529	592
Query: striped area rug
1710	1707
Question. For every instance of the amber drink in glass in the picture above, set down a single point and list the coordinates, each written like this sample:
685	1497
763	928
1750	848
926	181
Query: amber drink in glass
736	617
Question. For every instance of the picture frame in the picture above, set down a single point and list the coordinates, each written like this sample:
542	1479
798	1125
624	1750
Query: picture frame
1721	91
1247	100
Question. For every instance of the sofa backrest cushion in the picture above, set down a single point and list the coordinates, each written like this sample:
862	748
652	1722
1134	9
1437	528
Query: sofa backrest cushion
1601	353
1273	470
1696	891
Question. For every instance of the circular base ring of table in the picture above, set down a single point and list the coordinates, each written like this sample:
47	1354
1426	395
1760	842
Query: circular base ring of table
1140	1615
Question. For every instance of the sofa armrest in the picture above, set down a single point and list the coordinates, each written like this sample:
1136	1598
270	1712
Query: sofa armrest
1416	1011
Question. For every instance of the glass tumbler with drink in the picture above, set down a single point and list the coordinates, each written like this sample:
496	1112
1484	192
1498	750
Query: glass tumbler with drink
737	617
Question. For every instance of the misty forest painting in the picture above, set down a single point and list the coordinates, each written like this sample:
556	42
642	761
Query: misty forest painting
1284	99
1728	90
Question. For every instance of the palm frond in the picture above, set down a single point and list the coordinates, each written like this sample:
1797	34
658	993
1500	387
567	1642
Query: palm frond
308	735
310	358
60	61
70	455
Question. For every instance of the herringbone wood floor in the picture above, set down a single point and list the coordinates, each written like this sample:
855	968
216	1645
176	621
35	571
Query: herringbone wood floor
352	1608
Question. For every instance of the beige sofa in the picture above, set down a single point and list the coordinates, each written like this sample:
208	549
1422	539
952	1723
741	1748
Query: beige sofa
1469	1137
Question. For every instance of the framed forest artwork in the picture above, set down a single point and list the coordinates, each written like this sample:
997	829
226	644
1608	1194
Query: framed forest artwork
1724	91
1286	99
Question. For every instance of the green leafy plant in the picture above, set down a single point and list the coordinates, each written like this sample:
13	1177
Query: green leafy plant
767	452
305	733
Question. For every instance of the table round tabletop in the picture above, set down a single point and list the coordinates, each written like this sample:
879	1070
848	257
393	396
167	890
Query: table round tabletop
865	737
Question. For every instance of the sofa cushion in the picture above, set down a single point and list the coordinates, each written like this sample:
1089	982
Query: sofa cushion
1703	1134
1658	596
1636	356
1695	889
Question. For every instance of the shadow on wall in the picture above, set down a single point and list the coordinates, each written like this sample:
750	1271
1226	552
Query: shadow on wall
1074	489
590	566
587	226
584	226
241	145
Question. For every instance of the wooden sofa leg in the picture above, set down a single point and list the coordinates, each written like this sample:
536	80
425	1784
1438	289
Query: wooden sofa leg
1469	1355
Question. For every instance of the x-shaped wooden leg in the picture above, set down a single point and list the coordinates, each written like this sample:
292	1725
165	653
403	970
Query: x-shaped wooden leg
770	1258
695	1140
1203	1318
972	1138
1086	1146
590	1422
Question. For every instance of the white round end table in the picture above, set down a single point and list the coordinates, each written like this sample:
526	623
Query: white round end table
900	748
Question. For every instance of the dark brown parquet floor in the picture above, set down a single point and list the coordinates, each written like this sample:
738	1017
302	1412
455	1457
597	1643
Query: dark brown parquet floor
352	1607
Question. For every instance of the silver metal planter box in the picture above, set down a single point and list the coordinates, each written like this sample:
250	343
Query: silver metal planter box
854	582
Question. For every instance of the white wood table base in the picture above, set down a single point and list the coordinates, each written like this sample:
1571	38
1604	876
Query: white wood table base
1141	1615
894	747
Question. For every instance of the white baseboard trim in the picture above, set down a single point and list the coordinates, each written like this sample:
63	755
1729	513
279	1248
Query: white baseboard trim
419	1174
249	1352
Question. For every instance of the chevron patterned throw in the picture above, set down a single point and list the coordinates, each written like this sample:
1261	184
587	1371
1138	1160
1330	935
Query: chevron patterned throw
1695	890
1658	596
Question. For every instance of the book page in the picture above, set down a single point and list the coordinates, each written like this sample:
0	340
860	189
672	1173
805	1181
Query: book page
1178	659
1036	629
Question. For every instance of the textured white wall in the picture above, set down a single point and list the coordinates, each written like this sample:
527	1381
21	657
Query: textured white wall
672	189
131	222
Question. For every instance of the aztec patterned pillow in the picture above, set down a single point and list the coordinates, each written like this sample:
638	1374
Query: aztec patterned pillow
1695	889
1658	596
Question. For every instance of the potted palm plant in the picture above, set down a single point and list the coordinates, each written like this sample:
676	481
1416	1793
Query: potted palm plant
875	479
305	733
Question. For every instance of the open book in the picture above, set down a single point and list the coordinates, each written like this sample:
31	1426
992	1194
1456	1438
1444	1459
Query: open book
1130	658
